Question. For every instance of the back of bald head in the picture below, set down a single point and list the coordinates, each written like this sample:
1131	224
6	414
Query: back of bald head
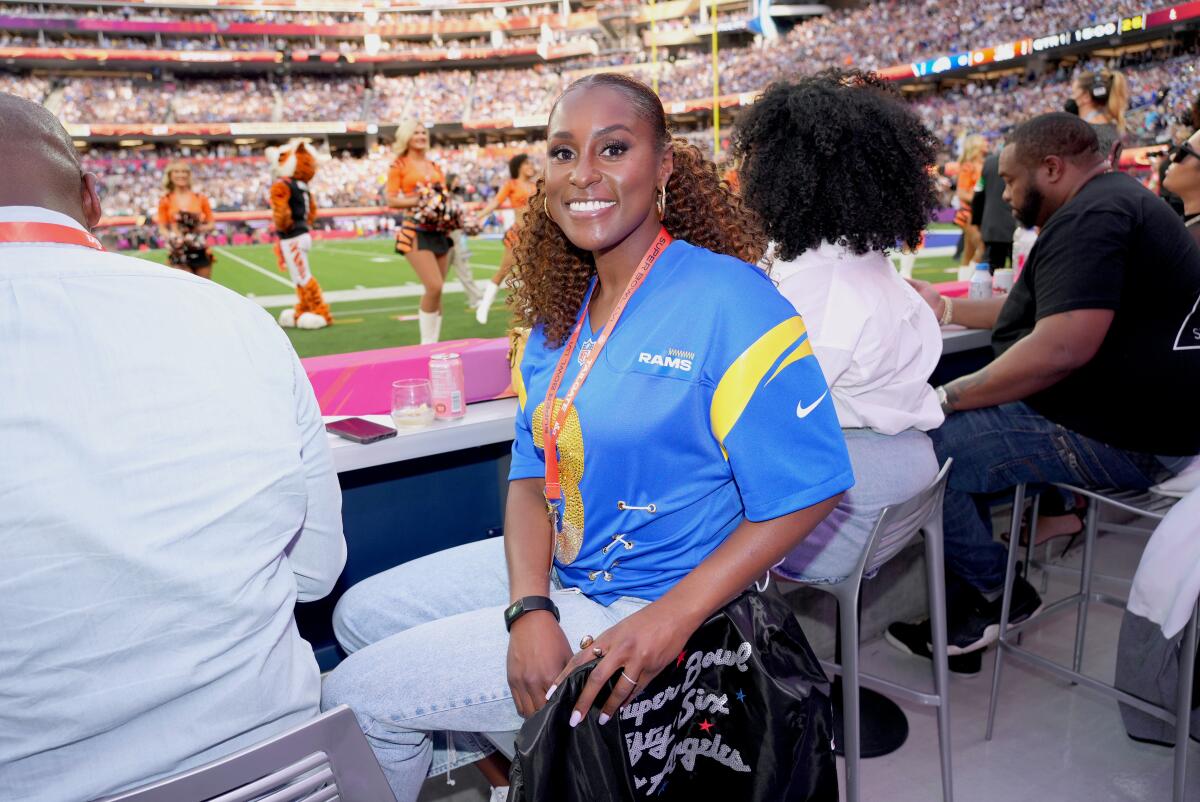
41	167
1057	134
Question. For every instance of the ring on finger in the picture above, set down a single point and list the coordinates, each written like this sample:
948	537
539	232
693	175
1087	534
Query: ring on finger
598	651
585	642
629	679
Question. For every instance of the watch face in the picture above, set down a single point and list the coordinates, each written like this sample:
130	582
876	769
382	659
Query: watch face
513	609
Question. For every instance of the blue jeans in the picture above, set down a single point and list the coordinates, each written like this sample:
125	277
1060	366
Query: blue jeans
997	448
427	673
833	549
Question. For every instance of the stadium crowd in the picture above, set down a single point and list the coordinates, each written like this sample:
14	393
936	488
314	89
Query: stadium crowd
237	179
226	16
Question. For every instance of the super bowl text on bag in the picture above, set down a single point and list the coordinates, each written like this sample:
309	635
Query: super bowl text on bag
654	746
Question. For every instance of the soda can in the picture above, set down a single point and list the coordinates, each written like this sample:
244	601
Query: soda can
449	386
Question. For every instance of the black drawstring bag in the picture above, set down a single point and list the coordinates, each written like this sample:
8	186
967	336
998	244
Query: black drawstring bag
743	714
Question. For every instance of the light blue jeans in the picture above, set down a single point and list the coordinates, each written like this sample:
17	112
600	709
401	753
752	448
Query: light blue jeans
888	469
427	671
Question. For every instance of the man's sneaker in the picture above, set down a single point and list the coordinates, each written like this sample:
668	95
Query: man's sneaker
974	623
916	639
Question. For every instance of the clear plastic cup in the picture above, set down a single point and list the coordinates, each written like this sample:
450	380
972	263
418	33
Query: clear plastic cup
412	403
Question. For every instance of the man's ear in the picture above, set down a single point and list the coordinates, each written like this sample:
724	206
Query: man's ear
1054	167
90	201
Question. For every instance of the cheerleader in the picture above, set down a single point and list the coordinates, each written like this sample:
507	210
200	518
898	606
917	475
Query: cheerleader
184	219
521	184
416	186
970	168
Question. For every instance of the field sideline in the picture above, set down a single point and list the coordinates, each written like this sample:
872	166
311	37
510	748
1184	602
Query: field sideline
374	293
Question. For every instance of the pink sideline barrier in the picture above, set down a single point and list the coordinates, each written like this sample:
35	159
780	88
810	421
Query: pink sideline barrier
952	289
360	383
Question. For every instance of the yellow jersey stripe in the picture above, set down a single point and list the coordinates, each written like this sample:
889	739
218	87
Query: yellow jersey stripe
517	340
802	350
737	386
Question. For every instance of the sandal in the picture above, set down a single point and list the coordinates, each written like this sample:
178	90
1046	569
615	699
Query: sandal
1050	527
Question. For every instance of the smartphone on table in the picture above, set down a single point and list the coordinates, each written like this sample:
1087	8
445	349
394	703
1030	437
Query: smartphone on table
358	430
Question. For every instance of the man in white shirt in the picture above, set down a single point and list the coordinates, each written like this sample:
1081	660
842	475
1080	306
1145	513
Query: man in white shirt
166	496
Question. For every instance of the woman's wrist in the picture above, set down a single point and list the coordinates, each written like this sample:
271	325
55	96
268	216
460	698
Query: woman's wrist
946	314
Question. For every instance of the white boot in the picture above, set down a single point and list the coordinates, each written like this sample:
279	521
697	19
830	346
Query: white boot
966	271
430	324
490	288
907	262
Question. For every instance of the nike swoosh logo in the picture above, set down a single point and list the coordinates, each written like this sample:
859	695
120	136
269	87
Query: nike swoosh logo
802	411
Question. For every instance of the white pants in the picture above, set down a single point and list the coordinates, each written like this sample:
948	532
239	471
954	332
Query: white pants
294	253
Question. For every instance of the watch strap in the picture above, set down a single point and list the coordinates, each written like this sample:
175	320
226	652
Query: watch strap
528	604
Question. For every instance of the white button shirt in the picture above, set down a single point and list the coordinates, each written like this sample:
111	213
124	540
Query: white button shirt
876	340
166	496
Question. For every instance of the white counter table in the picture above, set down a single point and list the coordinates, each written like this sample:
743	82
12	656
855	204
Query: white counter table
485	423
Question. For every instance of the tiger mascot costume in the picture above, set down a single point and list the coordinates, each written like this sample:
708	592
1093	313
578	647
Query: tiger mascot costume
294	211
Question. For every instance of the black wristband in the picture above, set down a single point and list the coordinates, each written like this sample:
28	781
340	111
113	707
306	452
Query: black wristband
527	604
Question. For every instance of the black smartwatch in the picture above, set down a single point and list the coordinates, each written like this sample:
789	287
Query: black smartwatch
527	604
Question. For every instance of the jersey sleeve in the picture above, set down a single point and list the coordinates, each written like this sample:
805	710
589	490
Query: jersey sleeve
164	211
395	180
527	461
206	212
771	411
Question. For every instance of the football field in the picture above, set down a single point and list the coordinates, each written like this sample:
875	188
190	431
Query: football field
374	293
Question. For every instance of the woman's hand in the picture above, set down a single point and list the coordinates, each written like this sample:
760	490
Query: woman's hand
537	651
636	649
930	295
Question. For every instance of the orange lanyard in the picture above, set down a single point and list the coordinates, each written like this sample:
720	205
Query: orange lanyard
47	232
551	423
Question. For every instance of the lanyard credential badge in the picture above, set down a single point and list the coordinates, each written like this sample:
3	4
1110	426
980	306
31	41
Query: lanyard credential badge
47	233
552	423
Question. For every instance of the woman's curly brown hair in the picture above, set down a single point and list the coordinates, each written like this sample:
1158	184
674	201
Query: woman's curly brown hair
550	275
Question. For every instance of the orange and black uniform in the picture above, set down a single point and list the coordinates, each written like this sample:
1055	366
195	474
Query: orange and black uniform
404	178
517	195
301	211
968	177
187	212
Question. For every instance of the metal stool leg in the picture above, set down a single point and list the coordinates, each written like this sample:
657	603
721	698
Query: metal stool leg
1033	516
935	575
1183	704
1085	582
848	623
1014	545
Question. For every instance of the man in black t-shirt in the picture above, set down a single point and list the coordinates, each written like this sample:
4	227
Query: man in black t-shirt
1097	372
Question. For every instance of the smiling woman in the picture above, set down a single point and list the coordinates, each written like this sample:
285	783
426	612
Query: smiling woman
674	440
603	185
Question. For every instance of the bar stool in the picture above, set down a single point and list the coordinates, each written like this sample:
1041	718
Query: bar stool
1148	506
895	528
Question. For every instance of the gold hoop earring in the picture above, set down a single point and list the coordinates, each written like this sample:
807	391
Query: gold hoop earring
546	205
662	202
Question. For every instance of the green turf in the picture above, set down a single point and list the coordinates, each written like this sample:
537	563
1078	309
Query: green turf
367	264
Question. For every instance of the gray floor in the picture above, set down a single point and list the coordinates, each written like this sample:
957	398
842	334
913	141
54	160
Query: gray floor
1053	742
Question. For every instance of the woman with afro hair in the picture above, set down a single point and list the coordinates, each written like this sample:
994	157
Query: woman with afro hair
838	169
668	370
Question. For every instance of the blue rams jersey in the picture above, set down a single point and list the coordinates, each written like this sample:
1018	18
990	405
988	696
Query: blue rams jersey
705	407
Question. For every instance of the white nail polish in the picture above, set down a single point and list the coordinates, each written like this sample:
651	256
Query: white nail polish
603	719
576	717
550	692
